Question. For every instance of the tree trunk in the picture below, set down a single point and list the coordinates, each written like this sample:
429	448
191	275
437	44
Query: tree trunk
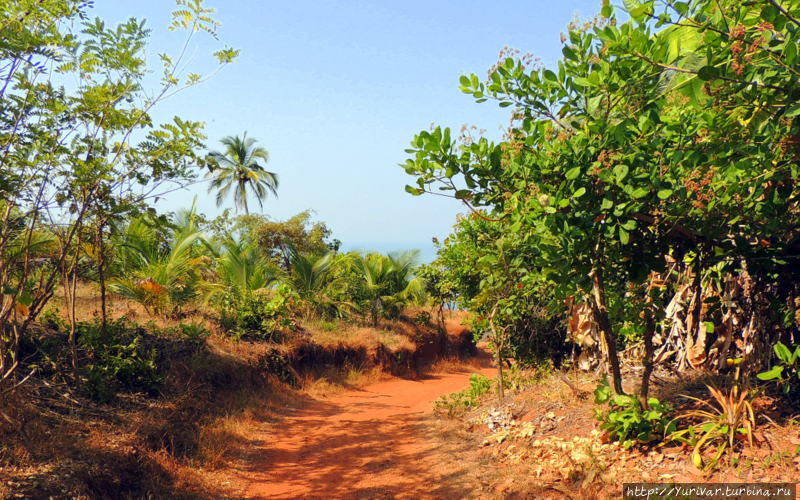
73	323
647	358
101	264
499	344
600	314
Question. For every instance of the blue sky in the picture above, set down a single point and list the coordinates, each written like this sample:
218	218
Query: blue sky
335	90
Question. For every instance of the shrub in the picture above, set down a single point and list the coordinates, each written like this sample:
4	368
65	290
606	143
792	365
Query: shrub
723	426
468	398
628	422
194	332
260	316
787	371
117	361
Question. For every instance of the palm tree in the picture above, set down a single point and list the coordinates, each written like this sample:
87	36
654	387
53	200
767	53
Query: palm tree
312	277
241	269
161	268
389	282
237	168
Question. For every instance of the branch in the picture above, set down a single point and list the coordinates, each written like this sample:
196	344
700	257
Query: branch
725	78
784	12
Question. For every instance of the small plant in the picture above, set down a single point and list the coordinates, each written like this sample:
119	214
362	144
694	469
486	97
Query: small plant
328	326
261	316
627	421
422	318
787	371
195	332
724	426
52	319
468	398
117	361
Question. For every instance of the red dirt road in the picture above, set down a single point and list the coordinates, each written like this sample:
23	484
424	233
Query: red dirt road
368	443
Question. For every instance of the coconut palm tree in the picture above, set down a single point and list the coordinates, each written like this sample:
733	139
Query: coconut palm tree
312	277
162	268
389	282
237	169
241	270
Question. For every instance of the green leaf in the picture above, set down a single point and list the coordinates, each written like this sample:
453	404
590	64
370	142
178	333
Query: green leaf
783	352
639	192
624	237
792	111
25	299
620	172
602	392
580	192
573	173
550	76
776	372
663	194
414	191
707	73
790	52
709	326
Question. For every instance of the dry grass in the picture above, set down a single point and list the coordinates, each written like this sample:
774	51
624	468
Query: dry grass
173	445
335	334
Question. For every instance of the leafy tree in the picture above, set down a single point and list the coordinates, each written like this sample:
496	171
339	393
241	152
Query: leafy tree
241	269
312	278
67	153
237	170
644	149
278	238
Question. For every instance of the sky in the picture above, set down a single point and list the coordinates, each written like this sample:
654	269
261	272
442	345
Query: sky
336	90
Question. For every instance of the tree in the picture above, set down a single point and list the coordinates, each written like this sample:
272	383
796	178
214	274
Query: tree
66	151
278	239
164	265
642	151
388	282
237	170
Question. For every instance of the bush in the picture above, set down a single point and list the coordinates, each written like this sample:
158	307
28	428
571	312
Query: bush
260	316
721	427
468	398
628	422
117	361
787	371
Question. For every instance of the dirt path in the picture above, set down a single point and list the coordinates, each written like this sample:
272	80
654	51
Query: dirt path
370	443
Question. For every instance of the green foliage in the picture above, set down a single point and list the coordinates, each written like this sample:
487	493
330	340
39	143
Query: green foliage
117	360
162	264
720	426
194	332
74	97
457	402
241	269
387	283
787	371
237	170
628	422
314	279
278	239
667	134
267	315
